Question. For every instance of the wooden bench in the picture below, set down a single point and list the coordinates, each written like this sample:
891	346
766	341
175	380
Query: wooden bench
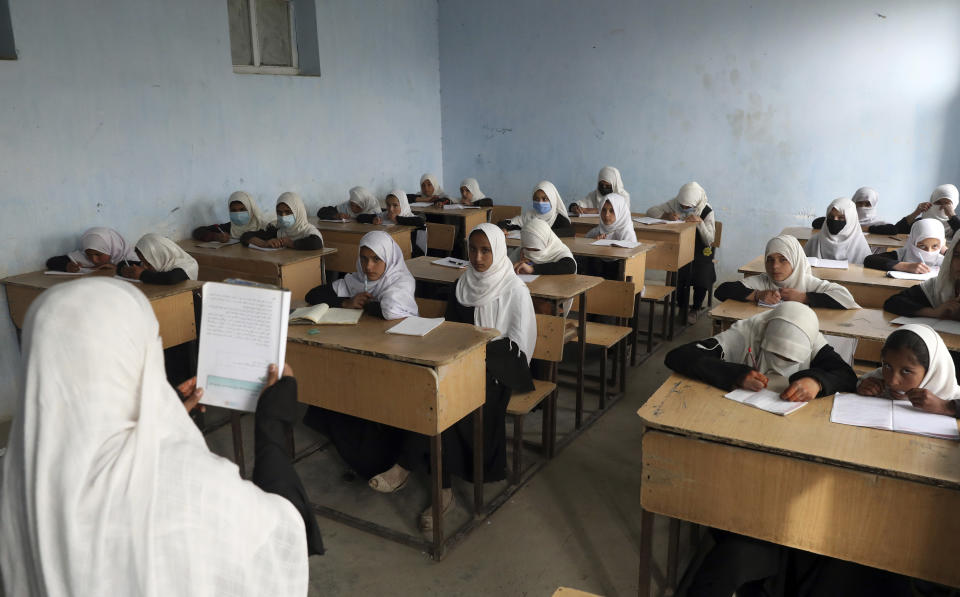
498	213
441	237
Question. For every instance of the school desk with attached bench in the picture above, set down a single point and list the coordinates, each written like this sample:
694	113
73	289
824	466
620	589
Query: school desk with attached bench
345	238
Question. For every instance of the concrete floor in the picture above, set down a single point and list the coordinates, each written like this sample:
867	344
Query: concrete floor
576	523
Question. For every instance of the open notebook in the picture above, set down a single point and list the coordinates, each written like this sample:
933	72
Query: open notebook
892	415
828	263
765	399
216	245
324	314
947	326
911	276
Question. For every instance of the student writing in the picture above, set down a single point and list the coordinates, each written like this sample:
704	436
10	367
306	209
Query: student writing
245	216
608	181
100	248
919	254
545	205
292	229
161	261
936	297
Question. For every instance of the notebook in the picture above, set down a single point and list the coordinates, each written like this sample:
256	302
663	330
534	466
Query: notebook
265	248
422	204
337	220
83	270
947	326
216	245
828	263
650	221
516	234
765	399
910	276
891	415
324	314
452	262
626	244
416	326
527	278
458	206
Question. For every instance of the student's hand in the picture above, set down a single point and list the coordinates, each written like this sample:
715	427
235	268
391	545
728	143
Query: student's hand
804	389
575	209
670	216
343	216
286	242
357	301
522	267
871	386
258	242
272	376
377	220
601	236
928	401
73	267
132	271
106	266
792	294
913	268
948	210
771	297
948	309
275	243
693	218
466	201
753	381
922	207
192	394
222	237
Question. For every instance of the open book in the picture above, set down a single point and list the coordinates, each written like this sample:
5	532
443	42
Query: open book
626	244
947	326
911	276
828	263
83	271
324	314
892	415
765	400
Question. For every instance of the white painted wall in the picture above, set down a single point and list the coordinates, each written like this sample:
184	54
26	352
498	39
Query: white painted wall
127	113
776	107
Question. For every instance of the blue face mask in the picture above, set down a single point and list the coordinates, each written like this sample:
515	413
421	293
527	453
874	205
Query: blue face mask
541	207
239	218
687	210
286	221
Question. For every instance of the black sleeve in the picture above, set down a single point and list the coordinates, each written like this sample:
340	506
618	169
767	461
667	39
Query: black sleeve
373	308
831	371
506	225
902	226
273	470
562	226
820	300
324	294
485	202
907	302
882	261
308	243
703	360
818	223
208	233
366	218
58	263
954	222
457	312
174	276
882	229
330	212
565	266
418	221
265	234
735	290
508	365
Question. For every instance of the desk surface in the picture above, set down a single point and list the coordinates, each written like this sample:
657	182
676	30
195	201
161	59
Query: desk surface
594	220
359	228
462	213
854	274
41	281
239	252
585	247
803	234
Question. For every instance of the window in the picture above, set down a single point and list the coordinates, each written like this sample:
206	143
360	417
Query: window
275	37
8	50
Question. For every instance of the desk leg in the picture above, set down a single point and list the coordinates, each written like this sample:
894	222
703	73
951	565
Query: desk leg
646	552
478	462
237	442
549	431
582	355
673	553
636	330
436	464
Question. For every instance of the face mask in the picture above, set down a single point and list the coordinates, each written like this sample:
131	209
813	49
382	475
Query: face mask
835	226
541	207
687	210
863	212
286	221
930	258
604	190
239	218
779	365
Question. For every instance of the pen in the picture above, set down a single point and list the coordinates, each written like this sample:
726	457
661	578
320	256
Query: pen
753	359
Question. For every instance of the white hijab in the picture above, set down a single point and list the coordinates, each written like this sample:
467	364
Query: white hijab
106	241
607	174
109	487
365	200
802	277
404	205
437	191
868	215
537	235
944	191
556	206
622	226
941	376
474	187
302	228
944	287
691	195
257	221
849	244
791	330
165	255
500	299
922	229
394	289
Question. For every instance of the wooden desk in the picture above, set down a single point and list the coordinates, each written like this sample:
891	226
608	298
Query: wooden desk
345	238
298	271
435	381
471	217
633	262
884	241
864	495
869	287
674	242
173	305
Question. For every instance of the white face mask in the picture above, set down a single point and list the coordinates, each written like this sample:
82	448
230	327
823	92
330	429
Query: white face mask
930	258
863	212
772	363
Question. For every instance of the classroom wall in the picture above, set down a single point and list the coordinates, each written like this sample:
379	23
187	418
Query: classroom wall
127	113
775	107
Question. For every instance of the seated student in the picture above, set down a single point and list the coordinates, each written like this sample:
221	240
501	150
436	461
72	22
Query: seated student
489	294
470	194
161	261
783	343
866	200
942	207
608	181
546	205
244	216
430	190
293	230
917	367
397	212
110	489
100	248
615	222
544	254
919	253
788	278
361	202
842	238
936	297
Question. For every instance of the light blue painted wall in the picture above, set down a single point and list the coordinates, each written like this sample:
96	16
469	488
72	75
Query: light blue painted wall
776	107
127	113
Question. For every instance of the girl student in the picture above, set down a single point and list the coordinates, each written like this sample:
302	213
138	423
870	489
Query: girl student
920	252
691	205
161	261
489	294
608	181
917	367
841	237
544	254
101	248
936	297
292	229
470	194
398	212
866	200
245	216
942	207
788	278
545	205
360	202
430	190
615	224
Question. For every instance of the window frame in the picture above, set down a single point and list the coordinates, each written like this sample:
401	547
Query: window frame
260	69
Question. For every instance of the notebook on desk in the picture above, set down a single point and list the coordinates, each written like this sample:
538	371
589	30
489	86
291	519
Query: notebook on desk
324	314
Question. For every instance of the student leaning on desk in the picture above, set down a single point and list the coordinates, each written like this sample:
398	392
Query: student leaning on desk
936	297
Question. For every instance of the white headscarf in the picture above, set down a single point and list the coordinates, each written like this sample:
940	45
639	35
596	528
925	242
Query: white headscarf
849	244
944	191
556	206
868	215
941	376
922	229
474	187
365	200
394	289
404	204
106	241
302	228
791	330
500	299
622	226
609	174
109	487
165	255
944	287
437	191
257	221
802	277
537	235
691	195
